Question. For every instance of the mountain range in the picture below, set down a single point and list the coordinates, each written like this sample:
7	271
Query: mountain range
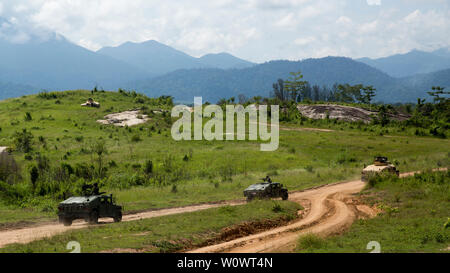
52	62
411	63
158	59
214	84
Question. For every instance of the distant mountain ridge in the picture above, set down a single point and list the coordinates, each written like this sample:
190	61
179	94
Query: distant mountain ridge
411	63
158	59
30	62
60	64
213	84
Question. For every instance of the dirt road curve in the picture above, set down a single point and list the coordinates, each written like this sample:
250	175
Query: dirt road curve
329	213
330	209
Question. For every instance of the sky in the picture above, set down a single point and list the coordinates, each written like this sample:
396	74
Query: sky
256	30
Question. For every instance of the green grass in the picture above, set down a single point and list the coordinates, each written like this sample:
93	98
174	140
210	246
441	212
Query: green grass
416	210
10	214
163	234
217	170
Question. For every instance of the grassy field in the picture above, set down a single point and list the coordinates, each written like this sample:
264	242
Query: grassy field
163	234
184	172
415	218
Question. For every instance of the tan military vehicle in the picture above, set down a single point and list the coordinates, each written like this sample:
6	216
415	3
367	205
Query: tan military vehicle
380	166
91	103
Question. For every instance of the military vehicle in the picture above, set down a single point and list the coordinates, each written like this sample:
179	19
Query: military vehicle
91	103
90	207
267	189
380	166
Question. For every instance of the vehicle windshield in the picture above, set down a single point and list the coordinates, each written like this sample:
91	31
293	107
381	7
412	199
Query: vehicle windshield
79	200
260	186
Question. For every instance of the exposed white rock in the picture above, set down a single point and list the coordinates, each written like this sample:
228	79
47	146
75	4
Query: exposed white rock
126	118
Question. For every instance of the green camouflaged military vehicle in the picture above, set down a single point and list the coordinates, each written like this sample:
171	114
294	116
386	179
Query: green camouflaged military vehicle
90	208
268	189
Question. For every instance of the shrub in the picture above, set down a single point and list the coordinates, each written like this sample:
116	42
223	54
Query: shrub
310	241
277	208
148	167
9	170
136	138
28	116
23	141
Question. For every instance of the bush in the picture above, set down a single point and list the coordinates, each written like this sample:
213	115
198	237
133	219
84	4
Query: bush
277	208
9	170
136	138
28	116
23	141
148	168
311	241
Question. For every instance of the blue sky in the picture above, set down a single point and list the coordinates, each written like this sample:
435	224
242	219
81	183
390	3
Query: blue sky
257	30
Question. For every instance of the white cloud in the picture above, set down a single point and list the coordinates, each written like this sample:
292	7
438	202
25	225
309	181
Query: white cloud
258	30
373	2
304	41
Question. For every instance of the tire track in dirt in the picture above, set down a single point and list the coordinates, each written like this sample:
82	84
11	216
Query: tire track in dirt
332	211
29	234
328	214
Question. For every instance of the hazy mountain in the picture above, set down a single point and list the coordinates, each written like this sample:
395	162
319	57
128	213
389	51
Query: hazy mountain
443	52
214	84
10	90
157	58
414	62
152	56
35	60
48	60
224	61
418	85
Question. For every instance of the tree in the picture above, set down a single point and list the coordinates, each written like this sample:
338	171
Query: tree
279	91
34	175
99	148
295	86
436	94
23	141
349	93
8	168
383	116
369	93
316	93
242	99
148	169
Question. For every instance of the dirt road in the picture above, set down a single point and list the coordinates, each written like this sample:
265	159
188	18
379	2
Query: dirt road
29	234
330	212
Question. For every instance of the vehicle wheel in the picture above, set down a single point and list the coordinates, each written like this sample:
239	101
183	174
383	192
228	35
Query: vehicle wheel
67	222
94	218
285	196
118	217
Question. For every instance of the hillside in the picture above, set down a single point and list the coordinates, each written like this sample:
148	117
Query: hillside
158	59
426	81
224	61
9	90
50	61
411	63
214	84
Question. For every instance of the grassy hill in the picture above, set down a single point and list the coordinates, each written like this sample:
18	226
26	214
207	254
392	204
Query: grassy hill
145	168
